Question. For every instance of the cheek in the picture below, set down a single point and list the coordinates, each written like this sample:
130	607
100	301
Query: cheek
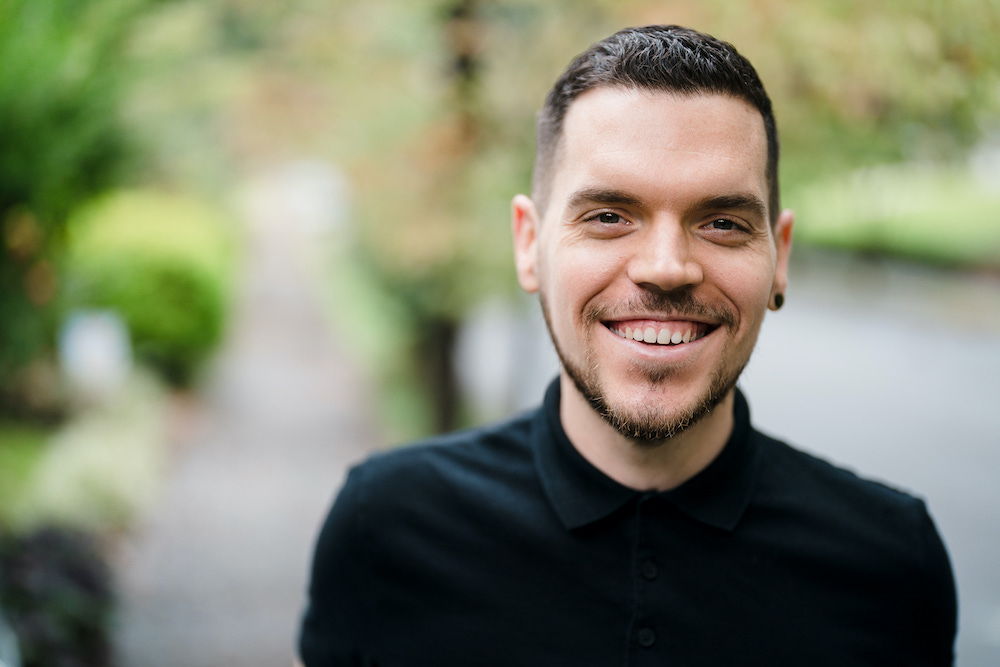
747	285
582	275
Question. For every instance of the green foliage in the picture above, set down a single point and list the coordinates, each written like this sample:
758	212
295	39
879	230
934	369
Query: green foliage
61	140
859	84
23	448
98	471
101	469
164	263
941	215
56	592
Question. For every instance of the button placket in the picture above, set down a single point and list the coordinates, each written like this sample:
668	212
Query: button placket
646	636
646	571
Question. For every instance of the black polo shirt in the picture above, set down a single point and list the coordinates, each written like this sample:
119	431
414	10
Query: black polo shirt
504	546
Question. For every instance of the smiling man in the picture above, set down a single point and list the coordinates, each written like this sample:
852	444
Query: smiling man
636	517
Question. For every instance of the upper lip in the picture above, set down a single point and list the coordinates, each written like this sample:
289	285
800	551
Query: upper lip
660	317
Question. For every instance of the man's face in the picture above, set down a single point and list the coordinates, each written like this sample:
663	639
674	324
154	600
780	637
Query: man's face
655	259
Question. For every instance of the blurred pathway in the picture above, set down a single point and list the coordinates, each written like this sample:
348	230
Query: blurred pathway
215	577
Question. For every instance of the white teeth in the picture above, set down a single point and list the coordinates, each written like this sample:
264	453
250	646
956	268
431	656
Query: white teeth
664	337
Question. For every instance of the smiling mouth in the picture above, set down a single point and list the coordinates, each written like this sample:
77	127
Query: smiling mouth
660	333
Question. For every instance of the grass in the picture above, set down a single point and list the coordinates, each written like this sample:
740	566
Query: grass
941	215
22	448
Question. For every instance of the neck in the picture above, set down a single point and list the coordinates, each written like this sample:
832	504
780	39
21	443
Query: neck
659	466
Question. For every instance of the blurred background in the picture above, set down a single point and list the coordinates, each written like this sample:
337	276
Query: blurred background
243	243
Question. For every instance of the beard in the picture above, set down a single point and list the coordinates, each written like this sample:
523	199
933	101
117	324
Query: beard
650	424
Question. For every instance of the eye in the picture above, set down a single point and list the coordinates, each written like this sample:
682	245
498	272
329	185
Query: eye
724	224
604	224
727	231
608	218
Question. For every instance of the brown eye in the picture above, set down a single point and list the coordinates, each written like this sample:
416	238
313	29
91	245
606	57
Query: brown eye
609	218
724	224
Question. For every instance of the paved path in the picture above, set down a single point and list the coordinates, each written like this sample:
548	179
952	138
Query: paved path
216	575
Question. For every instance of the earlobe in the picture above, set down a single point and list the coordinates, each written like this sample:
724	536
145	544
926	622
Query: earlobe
783	245
524	225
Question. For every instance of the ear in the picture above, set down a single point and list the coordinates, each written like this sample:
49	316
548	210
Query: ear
783	244
524	225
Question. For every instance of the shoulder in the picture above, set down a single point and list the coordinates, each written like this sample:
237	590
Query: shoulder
425	482
865	530
490	446
793	474
438	468
840	512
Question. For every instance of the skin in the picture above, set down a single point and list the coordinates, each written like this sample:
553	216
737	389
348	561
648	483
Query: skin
657	217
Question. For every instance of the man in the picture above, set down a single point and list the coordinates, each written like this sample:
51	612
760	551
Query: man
636	517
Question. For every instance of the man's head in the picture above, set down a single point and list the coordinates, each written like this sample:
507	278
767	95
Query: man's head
665	58
656	249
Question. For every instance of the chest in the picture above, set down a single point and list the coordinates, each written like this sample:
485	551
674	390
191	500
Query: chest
644	588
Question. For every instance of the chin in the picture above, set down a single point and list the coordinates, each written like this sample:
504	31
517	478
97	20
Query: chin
651	411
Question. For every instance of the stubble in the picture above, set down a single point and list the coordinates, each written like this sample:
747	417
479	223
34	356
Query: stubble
650	424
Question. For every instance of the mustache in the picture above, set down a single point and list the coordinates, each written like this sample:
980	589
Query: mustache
675	304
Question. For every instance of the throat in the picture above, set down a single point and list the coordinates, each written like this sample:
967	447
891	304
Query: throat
658	465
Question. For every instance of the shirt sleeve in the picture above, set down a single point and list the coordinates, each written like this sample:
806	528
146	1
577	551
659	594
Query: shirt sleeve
938	614
335	626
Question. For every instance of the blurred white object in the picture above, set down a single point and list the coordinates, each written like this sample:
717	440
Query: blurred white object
985	163
9	656
504	358
310	193
95	353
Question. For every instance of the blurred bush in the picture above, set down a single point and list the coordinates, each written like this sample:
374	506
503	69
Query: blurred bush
904	210
62	74
164	264
23	447
55	590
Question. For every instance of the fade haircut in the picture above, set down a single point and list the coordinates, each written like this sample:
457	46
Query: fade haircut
665	58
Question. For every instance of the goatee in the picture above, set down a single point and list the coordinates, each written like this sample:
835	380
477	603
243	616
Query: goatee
651	424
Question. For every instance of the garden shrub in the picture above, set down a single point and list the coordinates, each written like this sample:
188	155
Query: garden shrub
56	592
63	75
164	264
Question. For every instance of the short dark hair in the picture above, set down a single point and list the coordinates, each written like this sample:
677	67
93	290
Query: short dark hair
665	58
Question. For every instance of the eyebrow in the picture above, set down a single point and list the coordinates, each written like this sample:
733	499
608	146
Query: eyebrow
740	201
743	201
601	196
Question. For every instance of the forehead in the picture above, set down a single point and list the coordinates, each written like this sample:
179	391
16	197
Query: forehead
660	145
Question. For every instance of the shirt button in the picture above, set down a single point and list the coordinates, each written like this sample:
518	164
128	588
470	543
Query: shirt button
646	637
649	570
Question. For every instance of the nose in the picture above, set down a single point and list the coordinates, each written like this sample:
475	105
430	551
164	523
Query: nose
664	258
